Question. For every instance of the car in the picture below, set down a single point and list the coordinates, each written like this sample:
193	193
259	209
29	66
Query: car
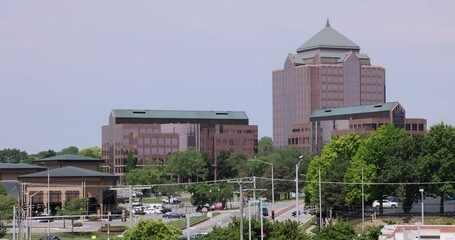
385	204
265	212
173	215
294	213
50	238
196	235
216	207
44	218
449	197
173	200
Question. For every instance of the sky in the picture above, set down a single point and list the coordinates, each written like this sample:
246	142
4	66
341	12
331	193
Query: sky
64	65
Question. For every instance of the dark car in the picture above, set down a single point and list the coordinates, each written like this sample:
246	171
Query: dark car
449	197
44	218
173	215
50	238
294	213
265	212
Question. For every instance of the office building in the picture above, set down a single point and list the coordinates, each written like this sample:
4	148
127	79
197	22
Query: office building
154	135
325	124
327	71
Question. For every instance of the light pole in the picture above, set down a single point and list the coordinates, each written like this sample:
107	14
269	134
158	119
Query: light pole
48	201
297	188
421	199
273	186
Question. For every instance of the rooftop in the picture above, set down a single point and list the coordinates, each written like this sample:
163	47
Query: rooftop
380	107
178	114
67	172
67	157
19	166
328	38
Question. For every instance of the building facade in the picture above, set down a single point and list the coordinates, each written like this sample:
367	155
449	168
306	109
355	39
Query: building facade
327	71
154	135
325	124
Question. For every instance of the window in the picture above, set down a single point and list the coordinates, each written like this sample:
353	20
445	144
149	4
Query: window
421	128
414	127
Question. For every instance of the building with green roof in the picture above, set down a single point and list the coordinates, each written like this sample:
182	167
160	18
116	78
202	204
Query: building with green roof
67	183
325	124
69	160
327	71
154	135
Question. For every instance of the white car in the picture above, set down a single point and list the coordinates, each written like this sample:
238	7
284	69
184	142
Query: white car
385	204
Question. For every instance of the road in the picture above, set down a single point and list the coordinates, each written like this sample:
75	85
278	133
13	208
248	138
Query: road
283	212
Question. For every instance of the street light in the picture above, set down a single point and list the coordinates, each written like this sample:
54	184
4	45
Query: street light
297	188
421	198
48	201
273	186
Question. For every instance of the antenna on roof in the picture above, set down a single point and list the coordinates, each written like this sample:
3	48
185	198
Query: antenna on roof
328	23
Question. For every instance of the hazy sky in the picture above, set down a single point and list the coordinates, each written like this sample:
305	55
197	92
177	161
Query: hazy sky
65	64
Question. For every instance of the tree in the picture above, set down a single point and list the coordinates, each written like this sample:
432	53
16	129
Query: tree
69	150
144	176
7	203
339	231
438	161
384	156
287	230
152	230
187	164
131	162
232	166
232	231
45	154
94	152
265	146
333	162
13	155
77	206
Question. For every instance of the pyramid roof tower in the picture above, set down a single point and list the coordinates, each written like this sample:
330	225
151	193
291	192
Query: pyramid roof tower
328	38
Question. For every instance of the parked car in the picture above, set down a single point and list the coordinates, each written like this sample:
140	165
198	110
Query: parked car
449	197
173	200
173	215
216	207
385	204
196	235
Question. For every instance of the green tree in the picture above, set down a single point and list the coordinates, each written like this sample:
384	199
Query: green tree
69	150
287	230
232	166
144	176
13	155
265	146
339	231
384	156
187	164
152	230
45	154
77	206
131	162
335	159
94	152
438	161
232	231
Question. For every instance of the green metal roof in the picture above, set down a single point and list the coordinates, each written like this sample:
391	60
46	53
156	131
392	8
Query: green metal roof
380	107
68	172
178	114
19	166
68	157
328	38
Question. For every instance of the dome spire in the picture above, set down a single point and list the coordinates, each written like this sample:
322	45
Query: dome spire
327	23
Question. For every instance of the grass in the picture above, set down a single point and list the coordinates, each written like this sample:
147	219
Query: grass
181	223
74	236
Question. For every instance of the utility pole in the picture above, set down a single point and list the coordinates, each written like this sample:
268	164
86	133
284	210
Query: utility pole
240	183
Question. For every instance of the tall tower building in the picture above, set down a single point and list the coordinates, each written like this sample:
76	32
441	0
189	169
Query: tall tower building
328	71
